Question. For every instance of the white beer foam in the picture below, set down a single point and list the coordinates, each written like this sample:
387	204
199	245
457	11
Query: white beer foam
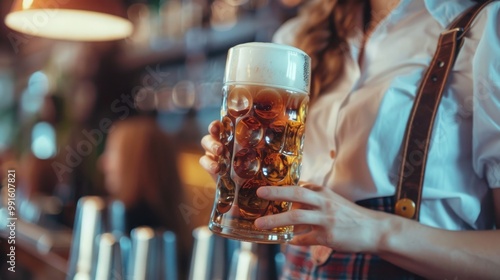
269	64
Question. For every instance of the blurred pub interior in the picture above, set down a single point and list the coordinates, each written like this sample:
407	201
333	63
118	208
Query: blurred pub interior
118	120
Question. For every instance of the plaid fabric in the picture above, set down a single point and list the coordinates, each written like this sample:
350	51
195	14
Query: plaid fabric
299	264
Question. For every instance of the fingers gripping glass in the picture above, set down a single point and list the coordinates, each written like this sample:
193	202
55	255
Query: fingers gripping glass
263	114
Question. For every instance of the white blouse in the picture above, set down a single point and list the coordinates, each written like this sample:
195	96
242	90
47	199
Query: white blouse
354	131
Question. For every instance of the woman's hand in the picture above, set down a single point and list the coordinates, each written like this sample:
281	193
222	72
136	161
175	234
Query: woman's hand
329	219
346	227
213	148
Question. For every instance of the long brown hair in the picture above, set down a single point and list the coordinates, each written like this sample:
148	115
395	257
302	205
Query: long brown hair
150	162
323	36
150	170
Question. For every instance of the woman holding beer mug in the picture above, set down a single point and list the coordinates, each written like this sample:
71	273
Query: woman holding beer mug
368	59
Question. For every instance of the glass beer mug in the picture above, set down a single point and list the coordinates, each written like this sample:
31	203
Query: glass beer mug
263	114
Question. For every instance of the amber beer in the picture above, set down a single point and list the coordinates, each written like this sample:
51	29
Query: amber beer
263	115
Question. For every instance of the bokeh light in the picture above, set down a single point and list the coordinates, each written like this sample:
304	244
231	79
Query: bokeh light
43	141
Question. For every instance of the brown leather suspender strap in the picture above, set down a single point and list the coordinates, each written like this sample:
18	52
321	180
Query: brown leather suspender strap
419	128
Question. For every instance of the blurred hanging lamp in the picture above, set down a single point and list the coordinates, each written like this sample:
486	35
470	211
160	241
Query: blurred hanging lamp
79	20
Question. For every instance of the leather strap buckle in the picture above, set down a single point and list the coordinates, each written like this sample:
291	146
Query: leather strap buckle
460	31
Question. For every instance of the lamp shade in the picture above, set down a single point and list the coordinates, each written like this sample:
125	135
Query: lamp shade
81	20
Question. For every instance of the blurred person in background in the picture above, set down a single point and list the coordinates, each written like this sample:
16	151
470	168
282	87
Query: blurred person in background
140	169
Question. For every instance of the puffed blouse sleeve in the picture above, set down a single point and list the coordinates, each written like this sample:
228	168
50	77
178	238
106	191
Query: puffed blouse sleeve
486	109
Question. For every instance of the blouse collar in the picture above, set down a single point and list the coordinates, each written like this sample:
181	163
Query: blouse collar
443	12
446	11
